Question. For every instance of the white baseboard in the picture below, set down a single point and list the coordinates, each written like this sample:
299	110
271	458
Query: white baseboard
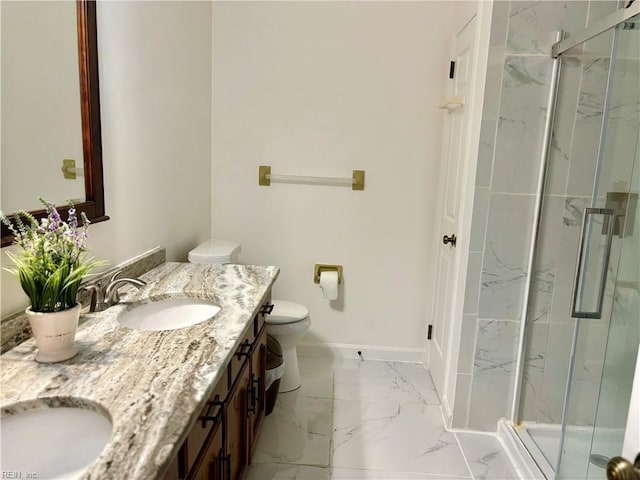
447	414
520	458
369	352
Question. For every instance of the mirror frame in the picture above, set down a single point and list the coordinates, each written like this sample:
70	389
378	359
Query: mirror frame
93	206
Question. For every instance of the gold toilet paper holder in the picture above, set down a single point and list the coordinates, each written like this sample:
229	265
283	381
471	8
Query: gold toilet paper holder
322	267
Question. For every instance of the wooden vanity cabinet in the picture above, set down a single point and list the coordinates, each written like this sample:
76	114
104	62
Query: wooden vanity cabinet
257	397
220	444
237	427
212	465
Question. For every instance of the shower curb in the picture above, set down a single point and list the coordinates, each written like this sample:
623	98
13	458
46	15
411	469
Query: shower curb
520	458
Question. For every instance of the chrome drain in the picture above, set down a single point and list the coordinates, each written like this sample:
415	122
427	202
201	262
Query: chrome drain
598	460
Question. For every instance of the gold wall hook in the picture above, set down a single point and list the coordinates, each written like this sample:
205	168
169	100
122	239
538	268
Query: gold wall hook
69	169
358	180
263	171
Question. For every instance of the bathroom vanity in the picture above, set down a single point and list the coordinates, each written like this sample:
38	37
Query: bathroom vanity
219	445
183	404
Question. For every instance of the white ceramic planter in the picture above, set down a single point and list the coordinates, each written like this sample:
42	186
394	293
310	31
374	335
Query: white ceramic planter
55	333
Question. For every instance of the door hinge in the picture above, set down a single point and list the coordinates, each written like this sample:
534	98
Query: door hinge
429	332
452	68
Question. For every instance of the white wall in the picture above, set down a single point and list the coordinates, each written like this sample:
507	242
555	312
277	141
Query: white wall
321	89
155	86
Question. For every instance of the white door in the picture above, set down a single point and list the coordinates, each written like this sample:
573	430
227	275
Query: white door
455	146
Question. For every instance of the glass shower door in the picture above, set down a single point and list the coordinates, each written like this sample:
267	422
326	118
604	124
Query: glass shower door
606	344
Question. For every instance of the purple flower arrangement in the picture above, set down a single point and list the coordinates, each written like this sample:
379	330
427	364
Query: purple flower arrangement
53	260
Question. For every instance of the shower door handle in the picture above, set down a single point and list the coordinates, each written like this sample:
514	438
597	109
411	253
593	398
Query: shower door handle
583	252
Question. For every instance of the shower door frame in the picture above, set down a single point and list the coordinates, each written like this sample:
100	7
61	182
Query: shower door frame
560	47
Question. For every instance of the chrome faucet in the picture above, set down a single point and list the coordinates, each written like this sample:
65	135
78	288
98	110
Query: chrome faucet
101	299
111	292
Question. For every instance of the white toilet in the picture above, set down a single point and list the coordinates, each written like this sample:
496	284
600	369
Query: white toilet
288	321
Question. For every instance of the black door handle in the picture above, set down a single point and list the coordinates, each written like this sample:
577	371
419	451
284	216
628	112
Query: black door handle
452	240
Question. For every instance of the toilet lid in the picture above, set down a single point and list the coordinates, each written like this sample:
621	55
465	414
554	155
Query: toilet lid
286	312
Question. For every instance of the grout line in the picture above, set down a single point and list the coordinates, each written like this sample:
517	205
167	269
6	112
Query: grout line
464	455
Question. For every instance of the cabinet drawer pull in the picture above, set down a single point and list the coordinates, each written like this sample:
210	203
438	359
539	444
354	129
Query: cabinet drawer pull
225	466
267	309
244	350
251	399
253	394
257	390
214	418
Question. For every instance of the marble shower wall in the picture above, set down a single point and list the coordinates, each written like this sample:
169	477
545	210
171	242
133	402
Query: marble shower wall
514	113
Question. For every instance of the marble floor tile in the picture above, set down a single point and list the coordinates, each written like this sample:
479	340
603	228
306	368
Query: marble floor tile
393	436
486	457
377	380
316	375
355	474
283	471
297	432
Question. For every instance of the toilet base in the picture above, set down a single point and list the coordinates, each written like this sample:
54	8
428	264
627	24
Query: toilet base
291	379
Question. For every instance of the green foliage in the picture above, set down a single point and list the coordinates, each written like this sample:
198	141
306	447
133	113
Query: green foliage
53	260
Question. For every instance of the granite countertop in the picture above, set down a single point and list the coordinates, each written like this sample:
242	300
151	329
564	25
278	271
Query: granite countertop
152	385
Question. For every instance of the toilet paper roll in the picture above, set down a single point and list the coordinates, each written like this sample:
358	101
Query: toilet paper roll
329	284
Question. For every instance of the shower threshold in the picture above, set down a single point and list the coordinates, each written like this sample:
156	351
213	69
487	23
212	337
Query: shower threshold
543	443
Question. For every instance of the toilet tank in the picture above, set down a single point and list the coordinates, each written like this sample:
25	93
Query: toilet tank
215	251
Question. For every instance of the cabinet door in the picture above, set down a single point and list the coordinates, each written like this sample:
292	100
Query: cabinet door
175	469
211	465
257	396
210	417
236	426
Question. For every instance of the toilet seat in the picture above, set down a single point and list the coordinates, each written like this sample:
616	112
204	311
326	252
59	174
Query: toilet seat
286	312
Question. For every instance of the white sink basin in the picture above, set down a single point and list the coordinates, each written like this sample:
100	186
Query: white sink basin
169	314
58	442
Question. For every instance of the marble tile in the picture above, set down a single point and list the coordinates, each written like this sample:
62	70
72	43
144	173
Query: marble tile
505	257
590	350
490	399
394	436
533	25
356	474
496	346
486	456
467	343
376	380
499	23
548	249
556	372
472	287
316	375
493	373
563	126
479	219
298	431
485	152
534	403
587	127
461	401
521	124
283	471
623	121
493	87
583	403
